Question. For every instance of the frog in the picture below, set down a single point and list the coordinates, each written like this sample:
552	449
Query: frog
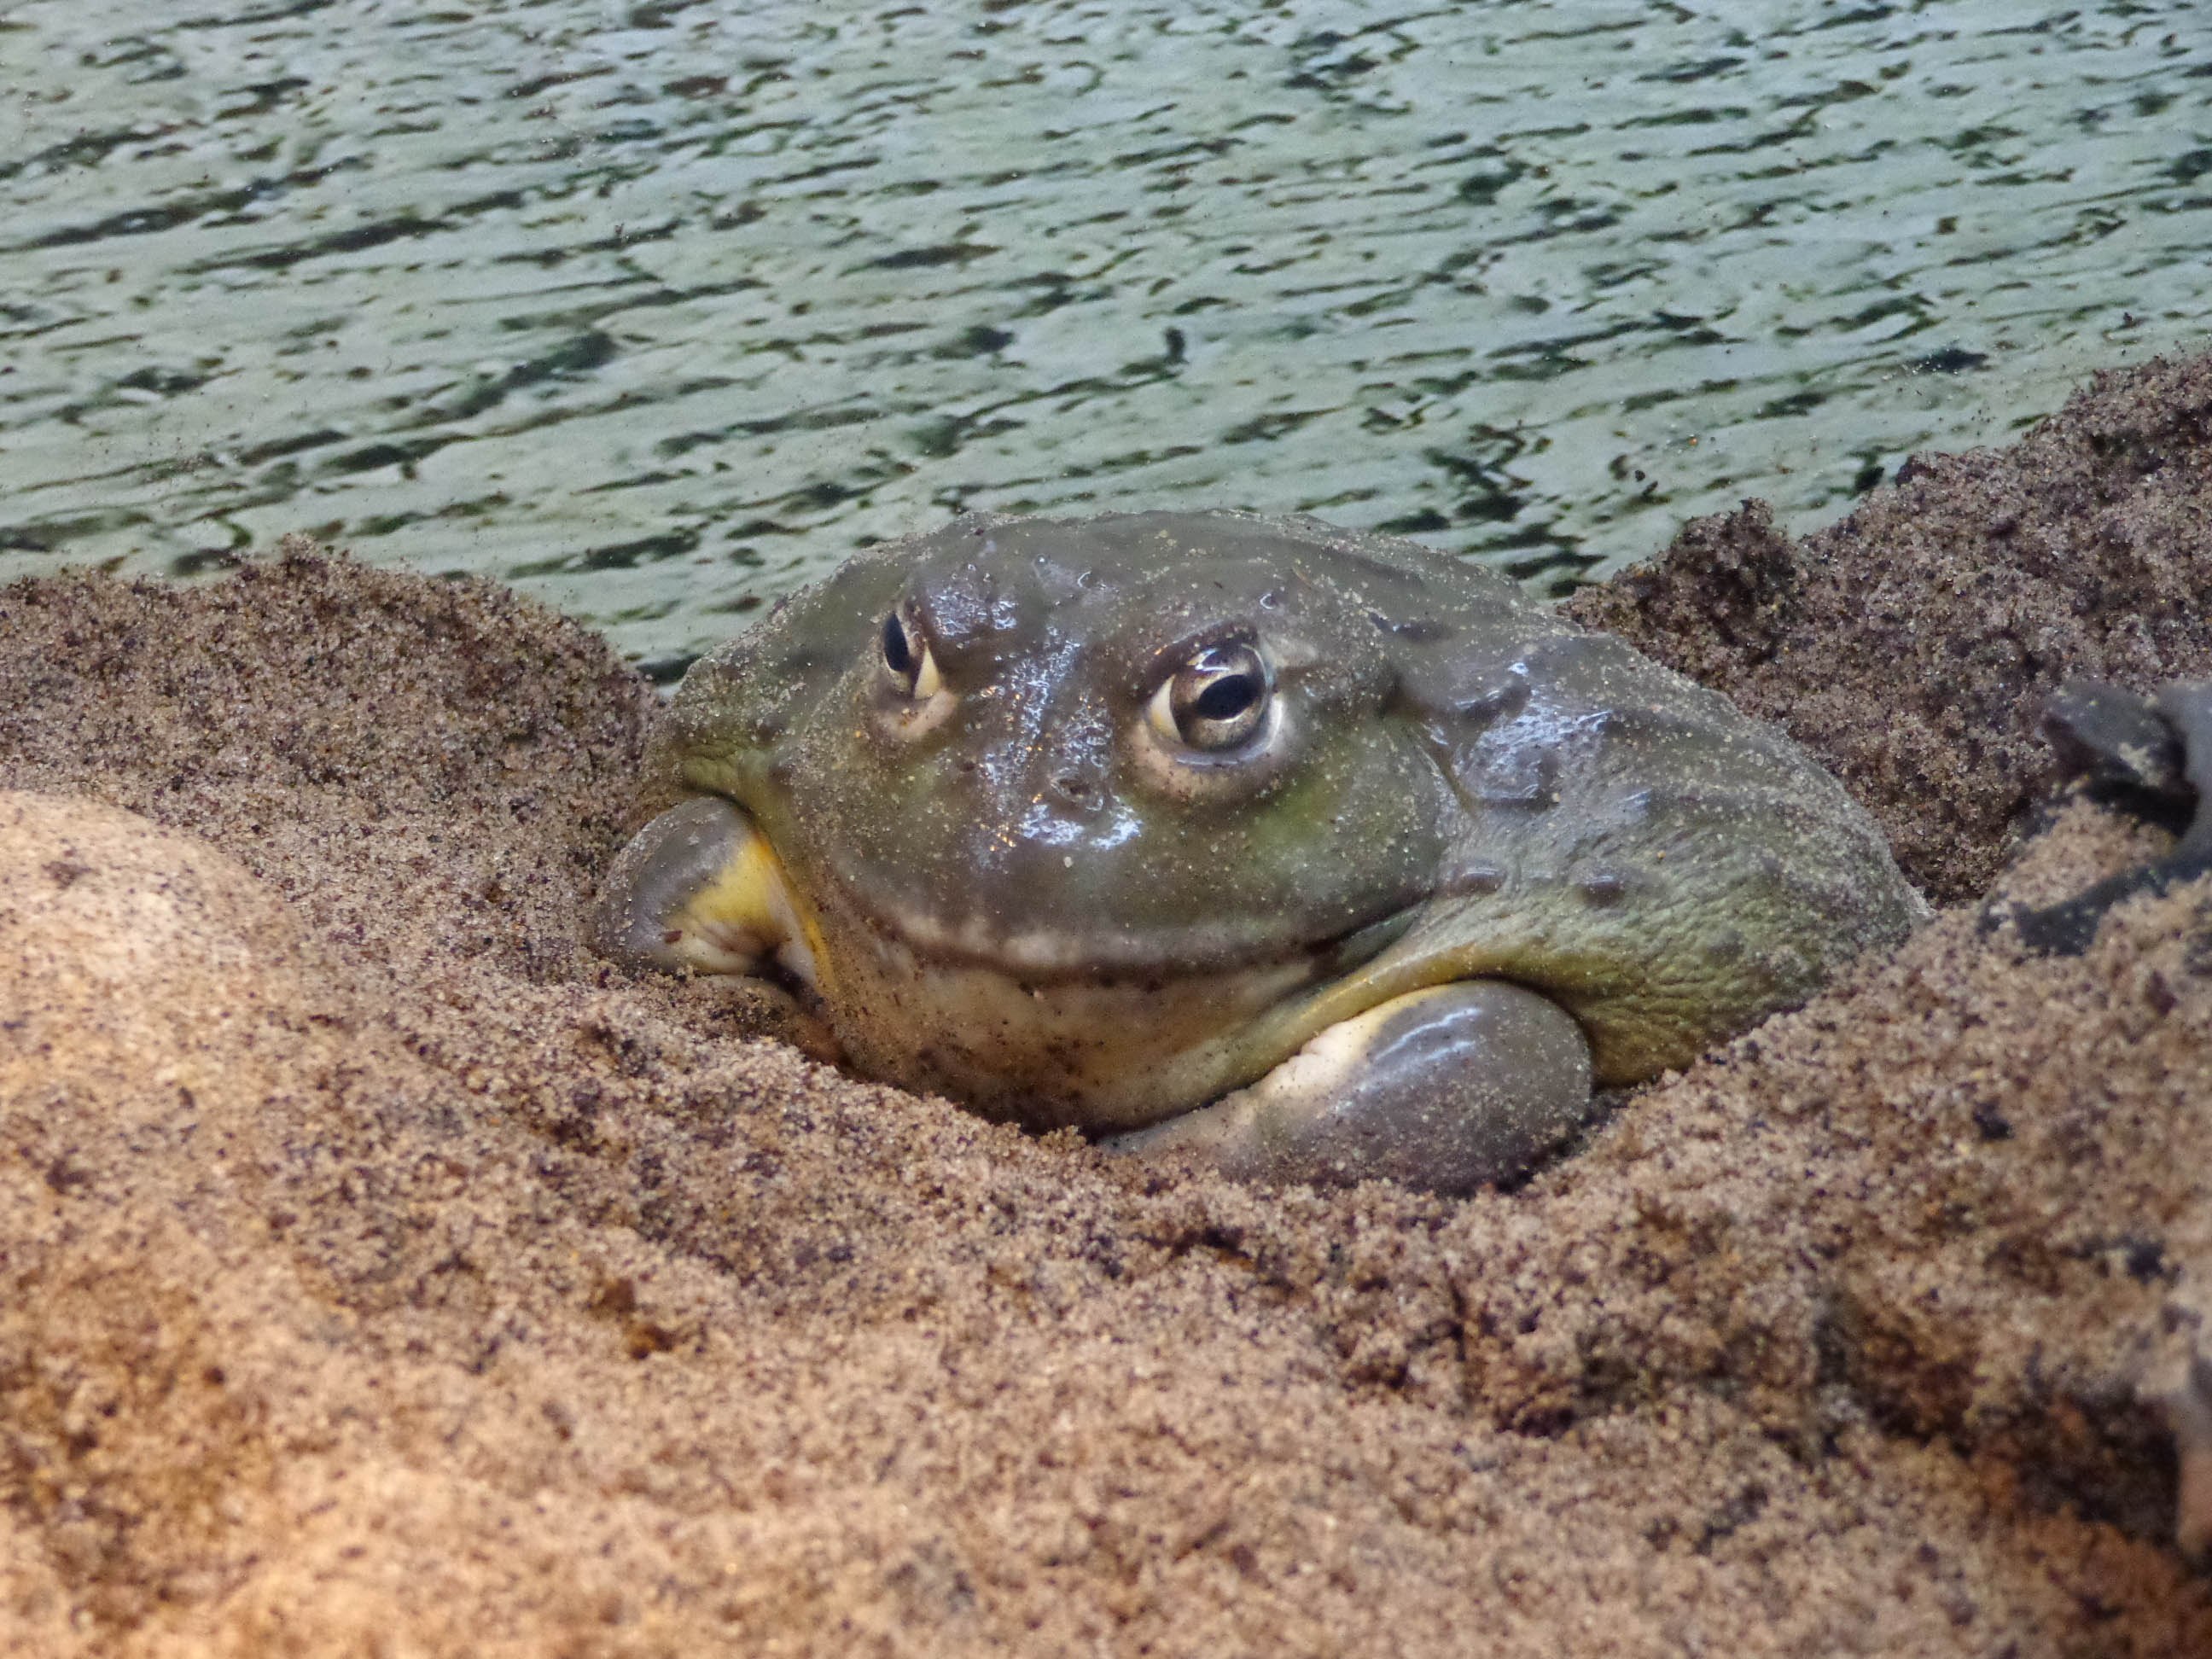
1300	852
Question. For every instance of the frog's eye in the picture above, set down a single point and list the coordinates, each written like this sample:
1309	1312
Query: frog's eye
1214	702
907	657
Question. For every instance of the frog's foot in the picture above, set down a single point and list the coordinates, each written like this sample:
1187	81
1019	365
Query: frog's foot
1448	1089
699	889
2150	756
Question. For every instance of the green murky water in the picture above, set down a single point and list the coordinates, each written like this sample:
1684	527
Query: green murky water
658	309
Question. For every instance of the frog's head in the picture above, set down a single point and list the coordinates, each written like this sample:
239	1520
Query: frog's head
1057	815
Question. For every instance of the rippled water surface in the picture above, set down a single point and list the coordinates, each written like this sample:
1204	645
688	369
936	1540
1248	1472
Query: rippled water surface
657	309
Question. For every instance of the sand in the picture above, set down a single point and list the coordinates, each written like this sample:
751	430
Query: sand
382	1274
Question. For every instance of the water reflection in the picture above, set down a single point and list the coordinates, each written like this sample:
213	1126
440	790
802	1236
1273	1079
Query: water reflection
658	309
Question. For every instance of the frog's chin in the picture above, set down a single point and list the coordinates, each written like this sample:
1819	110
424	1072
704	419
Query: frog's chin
1095	1054
1042	1031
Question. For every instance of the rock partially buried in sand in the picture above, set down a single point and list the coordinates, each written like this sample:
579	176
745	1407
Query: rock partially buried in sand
2151	755
2150	758
1315	854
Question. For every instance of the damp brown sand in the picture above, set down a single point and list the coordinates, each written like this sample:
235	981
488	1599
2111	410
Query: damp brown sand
380	1274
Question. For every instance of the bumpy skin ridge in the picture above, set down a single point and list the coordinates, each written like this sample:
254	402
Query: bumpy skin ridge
1528	801
1688	871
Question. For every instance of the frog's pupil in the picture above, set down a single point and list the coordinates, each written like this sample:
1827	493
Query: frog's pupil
1226	698
898	656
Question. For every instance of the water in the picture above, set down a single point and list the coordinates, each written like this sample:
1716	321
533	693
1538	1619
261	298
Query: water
658	309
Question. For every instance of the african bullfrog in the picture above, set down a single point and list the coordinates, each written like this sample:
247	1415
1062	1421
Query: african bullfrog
1320	854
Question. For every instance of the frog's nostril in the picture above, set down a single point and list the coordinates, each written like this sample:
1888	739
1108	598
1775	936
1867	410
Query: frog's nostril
1079	788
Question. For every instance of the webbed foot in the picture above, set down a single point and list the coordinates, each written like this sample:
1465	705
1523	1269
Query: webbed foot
1447	1090
2149	755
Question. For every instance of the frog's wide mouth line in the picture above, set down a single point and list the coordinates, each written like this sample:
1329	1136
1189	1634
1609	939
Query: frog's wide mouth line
1049	955
1053	957
765	913
820	884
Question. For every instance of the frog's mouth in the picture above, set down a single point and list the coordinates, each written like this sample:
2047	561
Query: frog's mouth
1049	956
1050	1029
702	887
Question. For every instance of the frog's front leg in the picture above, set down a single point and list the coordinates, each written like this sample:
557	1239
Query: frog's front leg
1448	1089
2151	754
700	889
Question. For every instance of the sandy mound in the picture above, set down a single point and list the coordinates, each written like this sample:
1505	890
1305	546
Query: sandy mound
1911	645
380	1274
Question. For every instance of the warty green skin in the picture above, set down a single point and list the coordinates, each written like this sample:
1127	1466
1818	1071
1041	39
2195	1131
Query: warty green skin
1023	899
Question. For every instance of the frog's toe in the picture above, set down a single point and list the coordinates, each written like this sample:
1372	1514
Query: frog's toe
698	888
2151	755
1448	1089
